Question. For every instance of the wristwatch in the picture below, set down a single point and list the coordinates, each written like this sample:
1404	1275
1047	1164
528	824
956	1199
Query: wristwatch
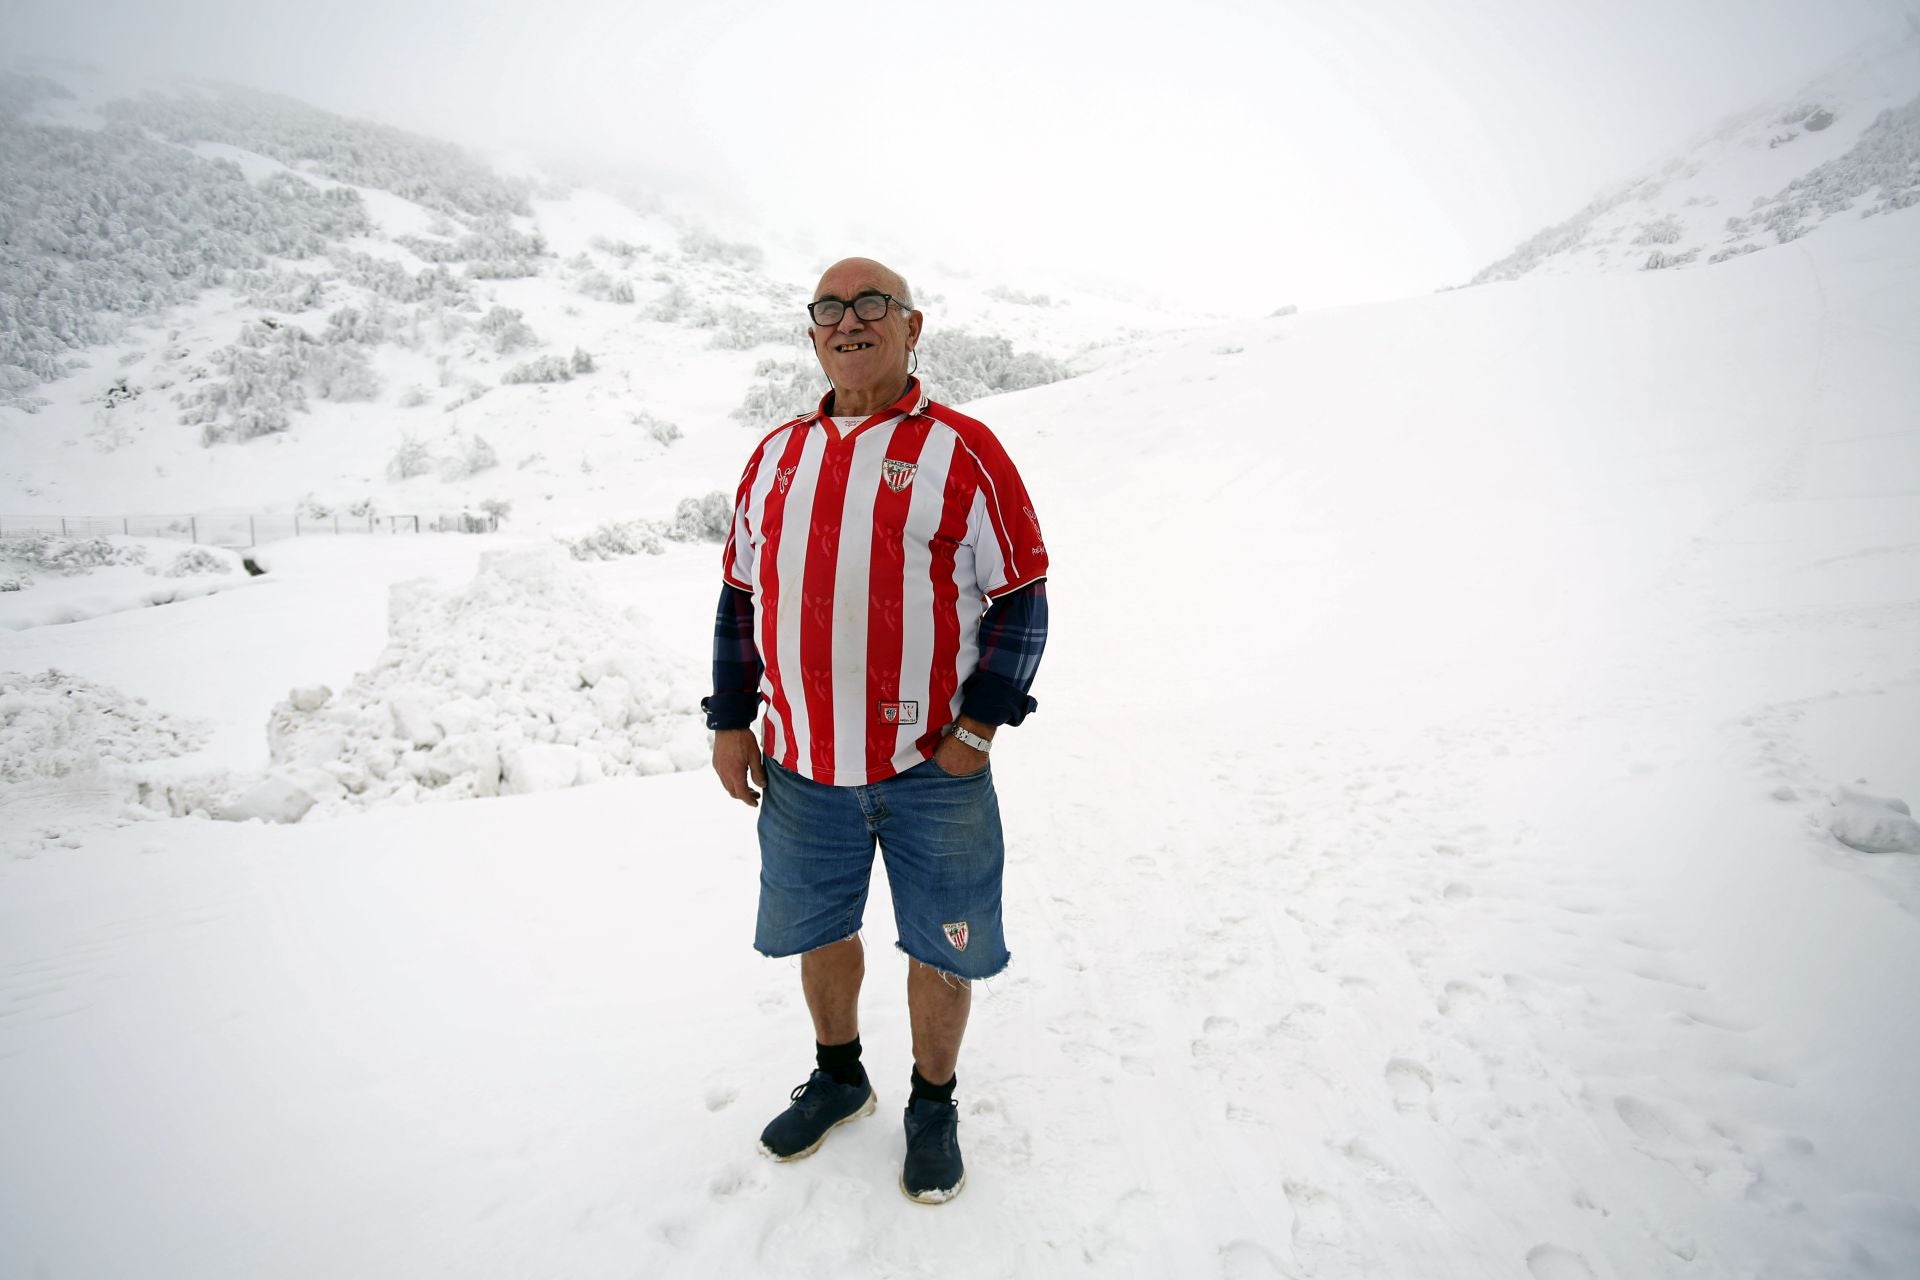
972	739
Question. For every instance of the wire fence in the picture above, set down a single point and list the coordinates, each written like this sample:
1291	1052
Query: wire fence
244	530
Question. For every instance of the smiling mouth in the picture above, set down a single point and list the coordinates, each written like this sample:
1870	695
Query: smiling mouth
846	347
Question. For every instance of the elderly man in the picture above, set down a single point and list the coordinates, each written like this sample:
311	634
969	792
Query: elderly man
885	607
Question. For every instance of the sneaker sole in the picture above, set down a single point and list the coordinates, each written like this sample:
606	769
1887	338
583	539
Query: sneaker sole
936	1196
865	1110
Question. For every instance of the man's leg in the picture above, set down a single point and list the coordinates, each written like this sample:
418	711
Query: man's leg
816	860
831	976
937	1004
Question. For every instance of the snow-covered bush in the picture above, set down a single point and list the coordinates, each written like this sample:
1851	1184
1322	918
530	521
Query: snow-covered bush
539	369
496	509
1005	294
598	284
708	247
618	539
1665	230
580	362
508	329
780	389
198	560
658	428
478	456
267	372
705	519
958	366
66	557
410	458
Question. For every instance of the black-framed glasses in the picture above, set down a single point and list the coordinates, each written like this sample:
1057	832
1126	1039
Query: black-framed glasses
868	306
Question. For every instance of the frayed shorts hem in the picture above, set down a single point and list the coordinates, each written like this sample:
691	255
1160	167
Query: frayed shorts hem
946	968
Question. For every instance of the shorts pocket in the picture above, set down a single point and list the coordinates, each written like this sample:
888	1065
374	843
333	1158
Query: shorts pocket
941	772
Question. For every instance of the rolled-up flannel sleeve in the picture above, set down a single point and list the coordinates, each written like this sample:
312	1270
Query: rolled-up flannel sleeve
735	701
1012	636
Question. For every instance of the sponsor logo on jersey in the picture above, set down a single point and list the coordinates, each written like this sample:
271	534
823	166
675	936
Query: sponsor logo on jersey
784	477
897	474
900	712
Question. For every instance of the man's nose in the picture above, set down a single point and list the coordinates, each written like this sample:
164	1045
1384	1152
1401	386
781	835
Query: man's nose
848	318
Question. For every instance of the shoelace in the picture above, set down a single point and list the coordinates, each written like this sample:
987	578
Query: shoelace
940	1131
801	1090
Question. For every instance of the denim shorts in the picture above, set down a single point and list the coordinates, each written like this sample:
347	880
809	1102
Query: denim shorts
940	837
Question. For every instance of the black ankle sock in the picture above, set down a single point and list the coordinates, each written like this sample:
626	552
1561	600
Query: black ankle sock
923	1088
841	1061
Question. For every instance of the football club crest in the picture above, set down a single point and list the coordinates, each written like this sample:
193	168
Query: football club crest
784	477
900	713
897	474
956	934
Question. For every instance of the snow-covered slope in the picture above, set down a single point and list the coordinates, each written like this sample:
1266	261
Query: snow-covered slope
1430	858
1845	146
225	301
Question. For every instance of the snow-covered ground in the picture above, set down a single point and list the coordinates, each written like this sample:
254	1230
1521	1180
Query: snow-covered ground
1422	863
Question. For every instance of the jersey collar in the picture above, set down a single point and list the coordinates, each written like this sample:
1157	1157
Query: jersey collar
912	401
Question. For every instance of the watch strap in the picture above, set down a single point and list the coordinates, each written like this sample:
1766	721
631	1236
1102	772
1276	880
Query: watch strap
972	739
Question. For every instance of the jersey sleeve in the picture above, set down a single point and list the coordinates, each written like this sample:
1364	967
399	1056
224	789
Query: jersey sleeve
737	558
1009	552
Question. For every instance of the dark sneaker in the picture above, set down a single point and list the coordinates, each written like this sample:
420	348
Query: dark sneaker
933	1172
818	1105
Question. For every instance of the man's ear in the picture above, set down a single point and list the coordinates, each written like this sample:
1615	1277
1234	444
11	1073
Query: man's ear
914	319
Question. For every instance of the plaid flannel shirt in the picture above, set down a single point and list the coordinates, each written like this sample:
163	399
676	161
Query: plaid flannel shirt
1013	634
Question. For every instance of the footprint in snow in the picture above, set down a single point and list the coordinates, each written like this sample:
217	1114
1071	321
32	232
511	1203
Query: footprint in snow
1251	1260
1551	1262
1411	1085
1698	1149
721	1096
1460	999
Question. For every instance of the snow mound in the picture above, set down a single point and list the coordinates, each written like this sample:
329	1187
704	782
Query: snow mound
1872	824
58	730
525	680
47	580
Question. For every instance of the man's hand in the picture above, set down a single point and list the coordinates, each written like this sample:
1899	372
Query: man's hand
956	757
736	757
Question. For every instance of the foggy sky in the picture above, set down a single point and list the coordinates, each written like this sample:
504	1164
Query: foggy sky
1234	156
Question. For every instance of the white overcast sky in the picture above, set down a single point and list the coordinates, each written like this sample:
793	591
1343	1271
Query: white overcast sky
1233	155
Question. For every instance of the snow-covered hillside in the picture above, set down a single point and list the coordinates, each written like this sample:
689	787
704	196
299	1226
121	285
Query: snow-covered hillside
1845	146
1440	851
217	300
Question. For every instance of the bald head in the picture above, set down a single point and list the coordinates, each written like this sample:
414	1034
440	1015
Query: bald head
886	278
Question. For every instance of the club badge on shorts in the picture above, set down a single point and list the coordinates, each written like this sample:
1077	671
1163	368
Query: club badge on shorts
900	713
897	474
956	934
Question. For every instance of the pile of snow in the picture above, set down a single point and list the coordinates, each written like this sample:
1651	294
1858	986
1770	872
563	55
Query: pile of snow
1872	824
66	731
46	579
524	681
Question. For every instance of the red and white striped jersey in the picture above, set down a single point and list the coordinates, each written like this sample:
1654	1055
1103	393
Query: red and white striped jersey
871	555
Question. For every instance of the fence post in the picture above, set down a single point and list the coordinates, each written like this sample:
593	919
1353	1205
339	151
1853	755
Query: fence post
194	522
126	526
296	524
251	541
63	526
